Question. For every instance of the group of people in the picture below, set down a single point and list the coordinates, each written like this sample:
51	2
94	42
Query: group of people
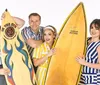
42	39
36	38
39	41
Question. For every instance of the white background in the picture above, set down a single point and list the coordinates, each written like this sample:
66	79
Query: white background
53	12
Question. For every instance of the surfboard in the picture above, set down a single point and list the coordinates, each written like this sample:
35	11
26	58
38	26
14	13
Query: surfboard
14	54
63	68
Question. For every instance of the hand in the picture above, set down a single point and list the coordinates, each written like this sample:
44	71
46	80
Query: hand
3	16
81	60
4	71
51	52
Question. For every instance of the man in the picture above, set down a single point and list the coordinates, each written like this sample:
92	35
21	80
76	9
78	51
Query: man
33	34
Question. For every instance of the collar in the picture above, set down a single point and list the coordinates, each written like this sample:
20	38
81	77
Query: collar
34	32
46	45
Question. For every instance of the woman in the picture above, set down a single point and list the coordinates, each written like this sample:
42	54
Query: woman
43	52
91	64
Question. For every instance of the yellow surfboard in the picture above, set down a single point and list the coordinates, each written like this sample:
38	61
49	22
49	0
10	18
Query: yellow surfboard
63	68
15	55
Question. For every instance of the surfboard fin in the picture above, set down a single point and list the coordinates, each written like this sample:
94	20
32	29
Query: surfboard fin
6	10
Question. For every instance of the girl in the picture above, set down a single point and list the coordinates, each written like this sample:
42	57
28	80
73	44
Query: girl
91	69
43	52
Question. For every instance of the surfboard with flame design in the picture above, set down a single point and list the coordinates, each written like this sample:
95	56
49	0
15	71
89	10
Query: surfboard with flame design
14	53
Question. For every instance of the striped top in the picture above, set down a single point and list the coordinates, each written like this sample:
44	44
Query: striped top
28	33
91	57
40	52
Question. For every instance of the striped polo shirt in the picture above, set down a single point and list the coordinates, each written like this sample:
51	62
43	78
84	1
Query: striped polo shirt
28	33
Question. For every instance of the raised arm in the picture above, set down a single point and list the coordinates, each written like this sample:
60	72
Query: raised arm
20	22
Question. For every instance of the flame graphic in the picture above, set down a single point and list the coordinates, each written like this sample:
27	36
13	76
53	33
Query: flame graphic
7	62
26	58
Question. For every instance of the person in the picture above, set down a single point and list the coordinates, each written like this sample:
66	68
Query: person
19	22
33	34
42	54
91	63
5	71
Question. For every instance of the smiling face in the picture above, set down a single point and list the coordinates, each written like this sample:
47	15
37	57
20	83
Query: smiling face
95	31
34	22
49	36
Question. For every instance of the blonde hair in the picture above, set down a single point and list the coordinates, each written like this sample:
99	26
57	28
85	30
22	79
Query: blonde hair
52	28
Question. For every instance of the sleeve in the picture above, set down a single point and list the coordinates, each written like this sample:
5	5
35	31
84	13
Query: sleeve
37	52
98	44
26	33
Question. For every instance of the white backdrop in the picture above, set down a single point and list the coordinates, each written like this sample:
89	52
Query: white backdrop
53	12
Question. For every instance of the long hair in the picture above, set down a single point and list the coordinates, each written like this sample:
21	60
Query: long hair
96	23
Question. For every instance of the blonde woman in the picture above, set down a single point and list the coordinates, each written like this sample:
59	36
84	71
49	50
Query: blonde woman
43	52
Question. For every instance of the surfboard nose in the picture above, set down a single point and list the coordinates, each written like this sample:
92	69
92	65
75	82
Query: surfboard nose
63	68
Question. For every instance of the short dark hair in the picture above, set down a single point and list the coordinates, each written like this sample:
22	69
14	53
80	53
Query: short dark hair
96	22
34	14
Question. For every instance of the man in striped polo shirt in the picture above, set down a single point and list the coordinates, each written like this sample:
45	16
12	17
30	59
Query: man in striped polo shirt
33	33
